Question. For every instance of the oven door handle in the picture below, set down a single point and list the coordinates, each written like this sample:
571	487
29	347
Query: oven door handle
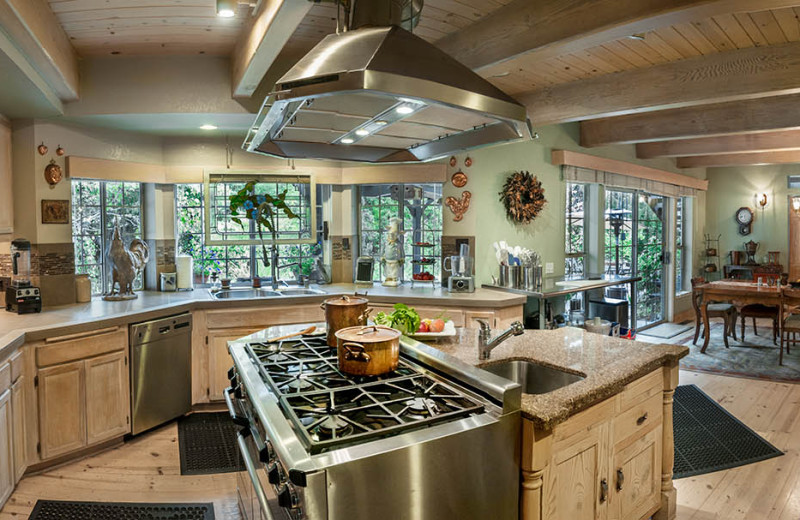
251	470
238	420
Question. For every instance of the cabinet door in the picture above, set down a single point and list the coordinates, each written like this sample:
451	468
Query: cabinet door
107	401
220	360
20	443
576	484
636	475
6	452
62	413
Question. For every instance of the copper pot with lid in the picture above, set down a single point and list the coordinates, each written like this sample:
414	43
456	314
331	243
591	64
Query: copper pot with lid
342	312
368	351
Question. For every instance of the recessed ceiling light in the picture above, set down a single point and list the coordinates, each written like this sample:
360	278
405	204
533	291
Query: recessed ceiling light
381	122
208	127
404	110
637	36
361	132
347	140
226	8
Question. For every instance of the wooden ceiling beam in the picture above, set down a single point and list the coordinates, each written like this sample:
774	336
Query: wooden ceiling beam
549	28
262	41
721	145
35	31
730	76
733	118
740	159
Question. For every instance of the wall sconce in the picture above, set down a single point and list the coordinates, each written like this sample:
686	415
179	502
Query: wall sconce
796	204
761	200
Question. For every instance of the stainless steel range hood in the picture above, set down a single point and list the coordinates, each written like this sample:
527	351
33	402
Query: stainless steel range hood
382	95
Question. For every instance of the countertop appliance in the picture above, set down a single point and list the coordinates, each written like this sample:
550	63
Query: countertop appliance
434	439
377	93
21	296
460	269
161	371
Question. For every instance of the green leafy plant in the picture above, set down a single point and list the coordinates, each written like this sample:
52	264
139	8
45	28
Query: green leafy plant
404	318
263	209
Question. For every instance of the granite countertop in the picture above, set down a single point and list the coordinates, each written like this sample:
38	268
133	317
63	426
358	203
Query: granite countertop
608	364
55	321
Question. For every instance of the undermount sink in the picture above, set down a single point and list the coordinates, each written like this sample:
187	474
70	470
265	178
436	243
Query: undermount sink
253	294
532	377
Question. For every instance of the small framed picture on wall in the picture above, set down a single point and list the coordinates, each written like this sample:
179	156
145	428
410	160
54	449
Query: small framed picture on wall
55	212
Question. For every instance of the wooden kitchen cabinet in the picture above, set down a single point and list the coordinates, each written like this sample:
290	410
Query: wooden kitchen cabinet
7	480
220	360
107	395
612	461
18	412
62	409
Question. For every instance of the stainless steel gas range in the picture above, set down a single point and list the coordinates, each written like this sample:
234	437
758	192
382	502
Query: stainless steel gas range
436	439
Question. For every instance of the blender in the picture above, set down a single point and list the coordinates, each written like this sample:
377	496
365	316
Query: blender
21	296
460	269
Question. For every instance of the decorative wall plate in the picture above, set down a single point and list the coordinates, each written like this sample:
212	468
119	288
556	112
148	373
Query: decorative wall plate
52	173
459	206
459	179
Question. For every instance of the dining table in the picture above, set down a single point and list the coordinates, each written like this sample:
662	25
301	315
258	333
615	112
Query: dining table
738	293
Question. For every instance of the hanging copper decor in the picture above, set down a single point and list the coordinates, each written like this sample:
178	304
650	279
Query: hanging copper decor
453	161
60	151
459	206
468	162
52	173
42	149
459	179
523	197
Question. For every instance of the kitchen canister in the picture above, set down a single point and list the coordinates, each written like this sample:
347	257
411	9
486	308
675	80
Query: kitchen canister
184	265
169	282
83	288
511	276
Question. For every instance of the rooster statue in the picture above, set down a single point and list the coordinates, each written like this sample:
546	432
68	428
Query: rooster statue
126	264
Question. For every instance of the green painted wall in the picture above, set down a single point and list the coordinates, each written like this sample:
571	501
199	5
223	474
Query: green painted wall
731	188
486	218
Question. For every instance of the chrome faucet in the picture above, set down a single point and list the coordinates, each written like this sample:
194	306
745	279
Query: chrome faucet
274	268
485	342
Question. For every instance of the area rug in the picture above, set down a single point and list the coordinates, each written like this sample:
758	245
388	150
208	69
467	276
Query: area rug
207	444
708	438
755	358
668	330
63	510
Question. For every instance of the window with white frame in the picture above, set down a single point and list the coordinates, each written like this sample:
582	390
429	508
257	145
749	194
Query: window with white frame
683	257
96	208
240	262
575	240
419	208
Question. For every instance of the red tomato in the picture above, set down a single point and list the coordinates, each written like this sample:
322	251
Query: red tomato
437	326
423	327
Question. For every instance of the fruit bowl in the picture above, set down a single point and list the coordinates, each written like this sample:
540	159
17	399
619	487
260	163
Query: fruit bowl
449	330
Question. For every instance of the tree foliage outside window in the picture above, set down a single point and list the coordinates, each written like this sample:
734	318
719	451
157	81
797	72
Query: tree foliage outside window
680	245
575	265
96	208
240	262
419	207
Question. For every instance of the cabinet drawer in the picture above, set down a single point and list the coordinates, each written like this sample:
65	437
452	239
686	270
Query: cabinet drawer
57	351
264	317
5	377
638	418
641	389
17	365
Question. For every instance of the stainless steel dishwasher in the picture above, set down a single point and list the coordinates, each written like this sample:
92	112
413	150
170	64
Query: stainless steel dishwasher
161	371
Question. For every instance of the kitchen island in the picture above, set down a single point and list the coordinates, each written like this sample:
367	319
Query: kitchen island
601	447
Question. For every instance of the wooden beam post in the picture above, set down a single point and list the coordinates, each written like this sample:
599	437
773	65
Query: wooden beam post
729	76
738	117
35	31
261	43
548	28
726	144
740	159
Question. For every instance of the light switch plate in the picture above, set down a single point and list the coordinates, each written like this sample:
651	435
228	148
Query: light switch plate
548	268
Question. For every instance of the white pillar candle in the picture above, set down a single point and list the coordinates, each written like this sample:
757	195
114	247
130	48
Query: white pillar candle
184	264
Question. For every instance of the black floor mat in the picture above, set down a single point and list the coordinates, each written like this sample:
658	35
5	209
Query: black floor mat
68	510
207	443
708	438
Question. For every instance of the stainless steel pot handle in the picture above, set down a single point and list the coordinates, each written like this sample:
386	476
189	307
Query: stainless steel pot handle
251	470
355	352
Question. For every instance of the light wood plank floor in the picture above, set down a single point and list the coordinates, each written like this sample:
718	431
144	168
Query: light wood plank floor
148	468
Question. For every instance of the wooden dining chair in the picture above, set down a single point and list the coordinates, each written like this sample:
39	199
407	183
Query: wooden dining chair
757	310
726	311
789	319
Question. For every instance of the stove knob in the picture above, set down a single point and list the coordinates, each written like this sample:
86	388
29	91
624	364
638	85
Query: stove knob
287	497
274	474
267	453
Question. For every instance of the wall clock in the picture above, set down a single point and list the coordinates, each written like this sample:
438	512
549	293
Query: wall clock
744	217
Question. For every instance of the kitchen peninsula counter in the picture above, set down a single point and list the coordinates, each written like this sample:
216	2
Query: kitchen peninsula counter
607	363
15	329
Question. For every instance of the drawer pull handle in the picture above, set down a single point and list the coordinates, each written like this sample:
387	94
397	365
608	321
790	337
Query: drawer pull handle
603	490
620	479
640	421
